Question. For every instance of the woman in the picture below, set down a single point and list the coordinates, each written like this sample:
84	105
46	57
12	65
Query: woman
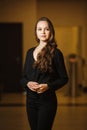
44	73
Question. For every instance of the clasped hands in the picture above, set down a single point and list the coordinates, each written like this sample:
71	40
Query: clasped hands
36	87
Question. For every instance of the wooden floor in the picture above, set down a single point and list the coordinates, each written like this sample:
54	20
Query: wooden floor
71	112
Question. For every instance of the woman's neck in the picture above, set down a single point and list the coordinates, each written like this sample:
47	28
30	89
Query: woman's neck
38	49
42	44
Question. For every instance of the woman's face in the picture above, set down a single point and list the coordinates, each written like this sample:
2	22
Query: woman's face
43	31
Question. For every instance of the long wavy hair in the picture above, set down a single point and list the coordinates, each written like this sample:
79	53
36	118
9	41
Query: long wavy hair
44	58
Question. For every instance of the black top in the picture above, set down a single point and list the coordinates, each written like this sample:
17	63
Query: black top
55	80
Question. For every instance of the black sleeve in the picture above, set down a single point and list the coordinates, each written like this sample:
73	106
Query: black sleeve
62	77
24	79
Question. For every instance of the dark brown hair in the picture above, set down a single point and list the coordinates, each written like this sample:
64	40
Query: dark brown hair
44	58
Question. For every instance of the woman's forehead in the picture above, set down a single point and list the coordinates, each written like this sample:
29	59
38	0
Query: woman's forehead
42	23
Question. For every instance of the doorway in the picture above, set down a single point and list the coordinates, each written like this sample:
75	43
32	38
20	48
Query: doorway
10	56
69	39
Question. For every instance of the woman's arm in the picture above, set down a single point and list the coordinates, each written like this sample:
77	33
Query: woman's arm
62	76
24	78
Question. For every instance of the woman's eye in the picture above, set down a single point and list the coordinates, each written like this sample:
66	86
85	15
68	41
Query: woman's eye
47	29
39	29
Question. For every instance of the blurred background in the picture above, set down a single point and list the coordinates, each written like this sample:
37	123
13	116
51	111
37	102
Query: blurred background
17	21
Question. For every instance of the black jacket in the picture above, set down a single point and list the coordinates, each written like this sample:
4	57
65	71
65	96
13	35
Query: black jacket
55	80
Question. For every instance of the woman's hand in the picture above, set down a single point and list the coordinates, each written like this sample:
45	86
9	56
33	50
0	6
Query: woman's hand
42	88
33	86
39	88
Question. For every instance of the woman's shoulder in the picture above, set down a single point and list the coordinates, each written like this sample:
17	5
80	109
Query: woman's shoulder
58	52
58	56
30	50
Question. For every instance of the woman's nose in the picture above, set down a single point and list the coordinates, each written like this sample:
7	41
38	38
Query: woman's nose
43	30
